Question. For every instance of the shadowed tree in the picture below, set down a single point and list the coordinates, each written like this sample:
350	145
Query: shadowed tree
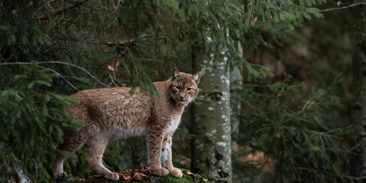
359	93
211	144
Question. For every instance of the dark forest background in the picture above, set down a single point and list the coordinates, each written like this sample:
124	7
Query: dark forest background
282	98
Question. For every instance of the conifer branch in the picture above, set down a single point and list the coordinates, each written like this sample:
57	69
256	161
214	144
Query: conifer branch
343	7
60	63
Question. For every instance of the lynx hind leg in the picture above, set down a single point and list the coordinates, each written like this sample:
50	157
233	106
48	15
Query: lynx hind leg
97	146
58	169
72	142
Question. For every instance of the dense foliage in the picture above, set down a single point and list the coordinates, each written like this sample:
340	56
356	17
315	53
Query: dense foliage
302	144
32	116
51	49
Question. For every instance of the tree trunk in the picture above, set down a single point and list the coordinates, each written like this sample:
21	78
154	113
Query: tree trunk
359	111
236	84
211	130
359	94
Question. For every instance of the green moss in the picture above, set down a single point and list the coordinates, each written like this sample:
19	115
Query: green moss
170	179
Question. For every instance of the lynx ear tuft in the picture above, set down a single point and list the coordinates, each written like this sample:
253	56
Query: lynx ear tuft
197	77
175	73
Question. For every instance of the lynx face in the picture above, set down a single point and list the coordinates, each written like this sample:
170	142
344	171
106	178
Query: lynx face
184	87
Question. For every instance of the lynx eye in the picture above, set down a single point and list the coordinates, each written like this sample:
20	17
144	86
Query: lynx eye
189	89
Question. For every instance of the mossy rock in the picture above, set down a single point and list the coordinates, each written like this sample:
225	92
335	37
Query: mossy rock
187	177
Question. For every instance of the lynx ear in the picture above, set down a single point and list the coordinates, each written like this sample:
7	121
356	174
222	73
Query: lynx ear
197	77
175	73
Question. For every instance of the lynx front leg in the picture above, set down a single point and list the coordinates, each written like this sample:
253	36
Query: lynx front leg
97	147
166	157
154	145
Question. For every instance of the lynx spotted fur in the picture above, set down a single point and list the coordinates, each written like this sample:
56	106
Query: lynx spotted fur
119	113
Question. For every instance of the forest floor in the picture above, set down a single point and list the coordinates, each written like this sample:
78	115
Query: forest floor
142	175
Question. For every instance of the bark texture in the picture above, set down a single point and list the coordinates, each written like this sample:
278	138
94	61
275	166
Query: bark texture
359	94
211	141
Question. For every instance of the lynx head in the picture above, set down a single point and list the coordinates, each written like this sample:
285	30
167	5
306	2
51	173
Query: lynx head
183	88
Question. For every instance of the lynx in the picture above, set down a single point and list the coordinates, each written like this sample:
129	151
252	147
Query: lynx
110	113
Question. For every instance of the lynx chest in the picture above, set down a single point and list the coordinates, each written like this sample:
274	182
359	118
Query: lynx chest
173	125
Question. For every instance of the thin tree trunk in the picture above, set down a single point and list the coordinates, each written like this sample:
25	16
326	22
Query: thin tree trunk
359	111
211	141
358	162
236	83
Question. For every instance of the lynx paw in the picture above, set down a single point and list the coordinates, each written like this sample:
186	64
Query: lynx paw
112	176
60	175
160	171
176	172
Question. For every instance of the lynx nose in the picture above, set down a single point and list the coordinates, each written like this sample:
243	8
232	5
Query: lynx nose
182	97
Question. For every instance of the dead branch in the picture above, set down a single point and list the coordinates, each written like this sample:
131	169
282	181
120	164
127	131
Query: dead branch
107	43
64	78
343	7
61	10
60	63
